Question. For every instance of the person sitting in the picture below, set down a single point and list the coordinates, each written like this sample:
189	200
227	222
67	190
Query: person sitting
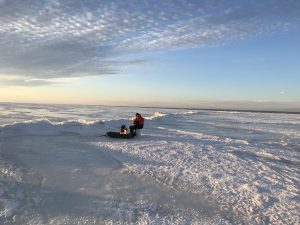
123	129
138	123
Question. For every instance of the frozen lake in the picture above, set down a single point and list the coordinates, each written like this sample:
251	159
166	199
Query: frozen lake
188	167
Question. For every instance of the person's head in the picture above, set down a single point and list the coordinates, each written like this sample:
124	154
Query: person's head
137	114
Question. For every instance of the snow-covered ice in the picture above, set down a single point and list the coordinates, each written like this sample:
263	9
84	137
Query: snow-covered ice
188	167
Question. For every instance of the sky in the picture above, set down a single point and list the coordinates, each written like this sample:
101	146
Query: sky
179	53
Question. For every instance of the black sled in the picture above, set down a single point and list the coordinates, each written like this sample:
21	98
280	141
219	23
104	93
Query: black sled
118	135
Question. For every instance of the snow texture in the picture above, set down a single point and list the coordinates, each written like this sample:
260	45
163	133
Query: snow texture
187	167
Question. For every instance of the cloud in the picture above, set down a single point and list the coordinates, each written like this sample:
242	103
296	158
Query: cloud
46	39
24	83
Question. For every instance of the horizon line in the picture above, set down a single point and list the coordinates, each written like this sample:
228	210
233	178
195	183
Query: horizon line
225	109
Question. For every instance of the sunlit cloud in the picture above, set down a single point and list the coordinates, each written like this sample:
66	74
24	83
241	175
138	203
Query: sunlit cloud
24	82
64	38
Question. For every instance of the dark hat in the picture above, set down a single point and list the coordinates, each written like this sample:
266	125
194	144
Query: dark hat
137	114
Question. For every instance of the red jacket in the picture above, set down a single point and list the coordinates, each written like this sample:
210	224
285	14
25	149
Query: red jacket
138	120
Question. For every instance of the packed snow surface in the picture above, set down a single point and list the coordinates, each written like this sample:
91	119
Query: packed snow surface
187	167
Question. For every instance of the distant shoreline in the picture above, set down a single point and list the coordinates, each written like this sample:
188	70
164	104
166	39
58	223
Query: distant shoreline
215	109
159	107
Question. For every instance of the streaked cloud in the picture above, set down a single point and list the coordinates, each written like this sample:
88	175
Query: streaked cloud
46	39
4	82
